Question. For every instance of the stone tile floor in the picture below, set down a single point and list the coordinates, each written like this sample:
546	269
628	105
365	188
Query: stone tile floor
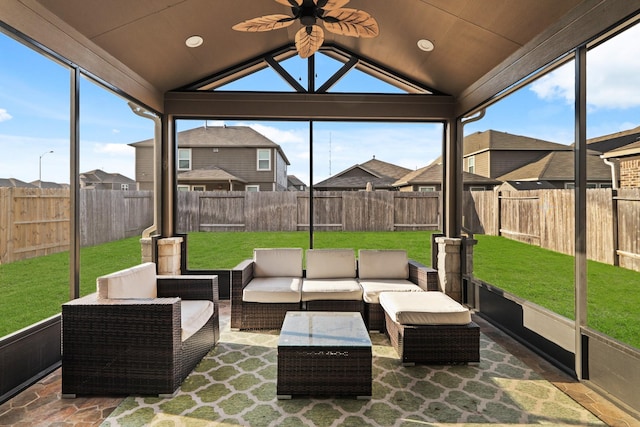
42	405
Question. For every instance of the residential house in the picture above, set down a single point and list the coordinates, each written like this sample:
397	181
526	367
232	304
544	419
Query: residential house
606	143
629	164
493	153
13	182
429	178
373	175
295	184
220	158
98	179
517	158
556	168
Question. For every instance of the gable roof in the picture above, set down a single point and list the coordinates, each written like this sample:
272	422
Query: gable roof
212	173
614	141
380	174
14	182
432	174
220	137
98	175
558	166
495	140
624	151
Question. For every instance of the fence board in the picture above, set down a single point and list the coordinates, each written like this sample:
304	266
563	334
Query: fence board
629	228
271	211
367	211
222	211
416	211
520	216
480	212
600	227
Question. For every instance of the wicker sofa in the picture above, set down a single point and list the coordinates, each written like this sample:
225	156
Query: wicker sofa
139	334
264	288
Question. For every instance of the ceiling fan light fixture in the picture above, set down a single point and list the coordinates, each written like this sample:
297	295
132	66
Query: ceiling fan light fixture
425	45
194	41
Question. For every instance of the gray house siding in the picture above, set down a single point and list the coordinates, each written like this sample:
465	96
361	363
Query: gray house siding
144	168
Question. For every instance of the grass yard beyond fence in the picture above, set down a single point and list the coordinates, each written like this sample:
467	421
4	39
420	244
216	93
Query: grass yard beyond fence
34	289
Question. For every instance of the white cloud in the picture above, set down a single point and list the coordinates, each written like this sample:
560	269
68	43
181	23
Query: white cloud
114	149
613	75
4	115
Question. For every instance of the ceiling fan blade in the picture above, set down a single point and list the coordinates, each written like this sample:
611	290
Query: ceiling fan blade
290	3
331	4
308	40
264	23
351	22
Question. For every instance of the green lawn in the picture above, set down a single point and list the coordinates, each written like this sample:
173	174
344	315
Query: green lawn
34	289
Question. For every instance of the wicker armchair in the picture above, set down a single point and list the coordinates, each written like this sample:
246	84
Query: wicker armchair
138	345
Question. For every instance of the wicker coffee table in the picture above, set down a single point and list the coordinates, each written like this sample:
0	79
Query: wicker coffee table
324	353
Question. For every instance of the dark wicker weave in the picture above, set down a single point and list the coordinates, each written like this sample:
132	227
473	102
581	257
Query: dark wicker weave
336	363
335	305
435	344
328	371
421	275
254	315
116	347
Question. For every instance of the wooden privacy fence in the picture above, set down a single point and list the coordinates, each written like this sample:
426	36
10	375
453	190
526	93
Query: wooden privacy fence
36	222
546	218
289	211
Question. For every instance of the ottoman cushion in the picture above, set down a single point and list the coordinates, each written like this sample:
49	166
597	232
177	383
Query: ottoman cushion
424	308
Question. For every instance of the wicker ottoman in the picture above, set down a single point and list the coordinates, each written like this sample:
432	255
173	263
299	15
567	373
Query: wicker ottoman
430	328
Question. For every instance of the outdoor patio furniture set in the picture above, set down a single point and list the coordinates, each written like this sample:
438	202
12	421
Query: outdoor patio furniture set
139	333
391	292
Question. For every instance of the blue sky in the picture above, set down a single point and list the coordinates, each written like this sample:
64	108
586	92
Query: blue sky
34	109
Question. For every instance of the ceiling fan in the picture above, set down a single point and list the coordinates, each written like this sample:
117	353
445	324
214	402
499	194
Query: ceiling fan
336	19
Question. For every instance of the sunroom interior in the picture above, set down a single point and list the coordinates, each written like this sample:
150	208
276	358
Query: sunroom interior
479	55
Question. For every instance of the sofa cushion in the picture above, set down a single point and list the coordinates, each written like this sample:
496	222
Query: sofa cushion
424	308
331	264
135	282
372	288
194	315
277	262
331	289
273	289
383	264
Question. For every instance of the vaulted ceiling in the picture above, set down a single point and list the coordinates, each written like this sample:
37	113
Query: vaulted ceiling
139	46
470	36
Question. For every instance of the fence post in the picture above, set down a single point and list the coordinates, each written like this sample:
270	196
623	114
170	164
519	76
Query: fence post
615	231
499	213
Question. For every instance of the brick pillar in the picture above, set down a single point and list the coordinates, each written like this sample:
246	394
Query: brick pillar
449	272
169	250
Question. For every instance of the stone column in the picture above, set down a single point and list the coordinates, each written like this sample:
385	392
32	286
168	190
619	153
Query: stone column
146	248
449	272
169	252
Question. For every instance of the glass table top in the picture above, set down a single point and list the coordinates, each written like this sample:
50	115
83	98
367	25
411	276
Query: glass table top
322	328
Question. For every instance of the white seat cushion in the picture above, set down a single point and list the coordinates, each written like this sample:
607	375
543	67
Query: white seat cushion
277	262
424	308
194	315
383	264
331	264
372	288
273	289
135	282
331	289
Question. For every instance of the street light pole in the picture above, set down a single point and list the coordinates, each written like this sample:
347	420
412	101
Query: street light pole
40	167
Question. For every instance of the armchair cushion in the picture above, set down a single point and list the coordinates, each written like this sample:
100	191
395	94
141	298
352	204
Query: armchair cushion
273	289
383	264
131	283
194	314
277	262
331	264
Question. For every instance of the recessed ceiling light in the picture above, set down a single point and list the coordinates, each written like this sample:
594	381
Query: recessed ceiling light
194	41
425	45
